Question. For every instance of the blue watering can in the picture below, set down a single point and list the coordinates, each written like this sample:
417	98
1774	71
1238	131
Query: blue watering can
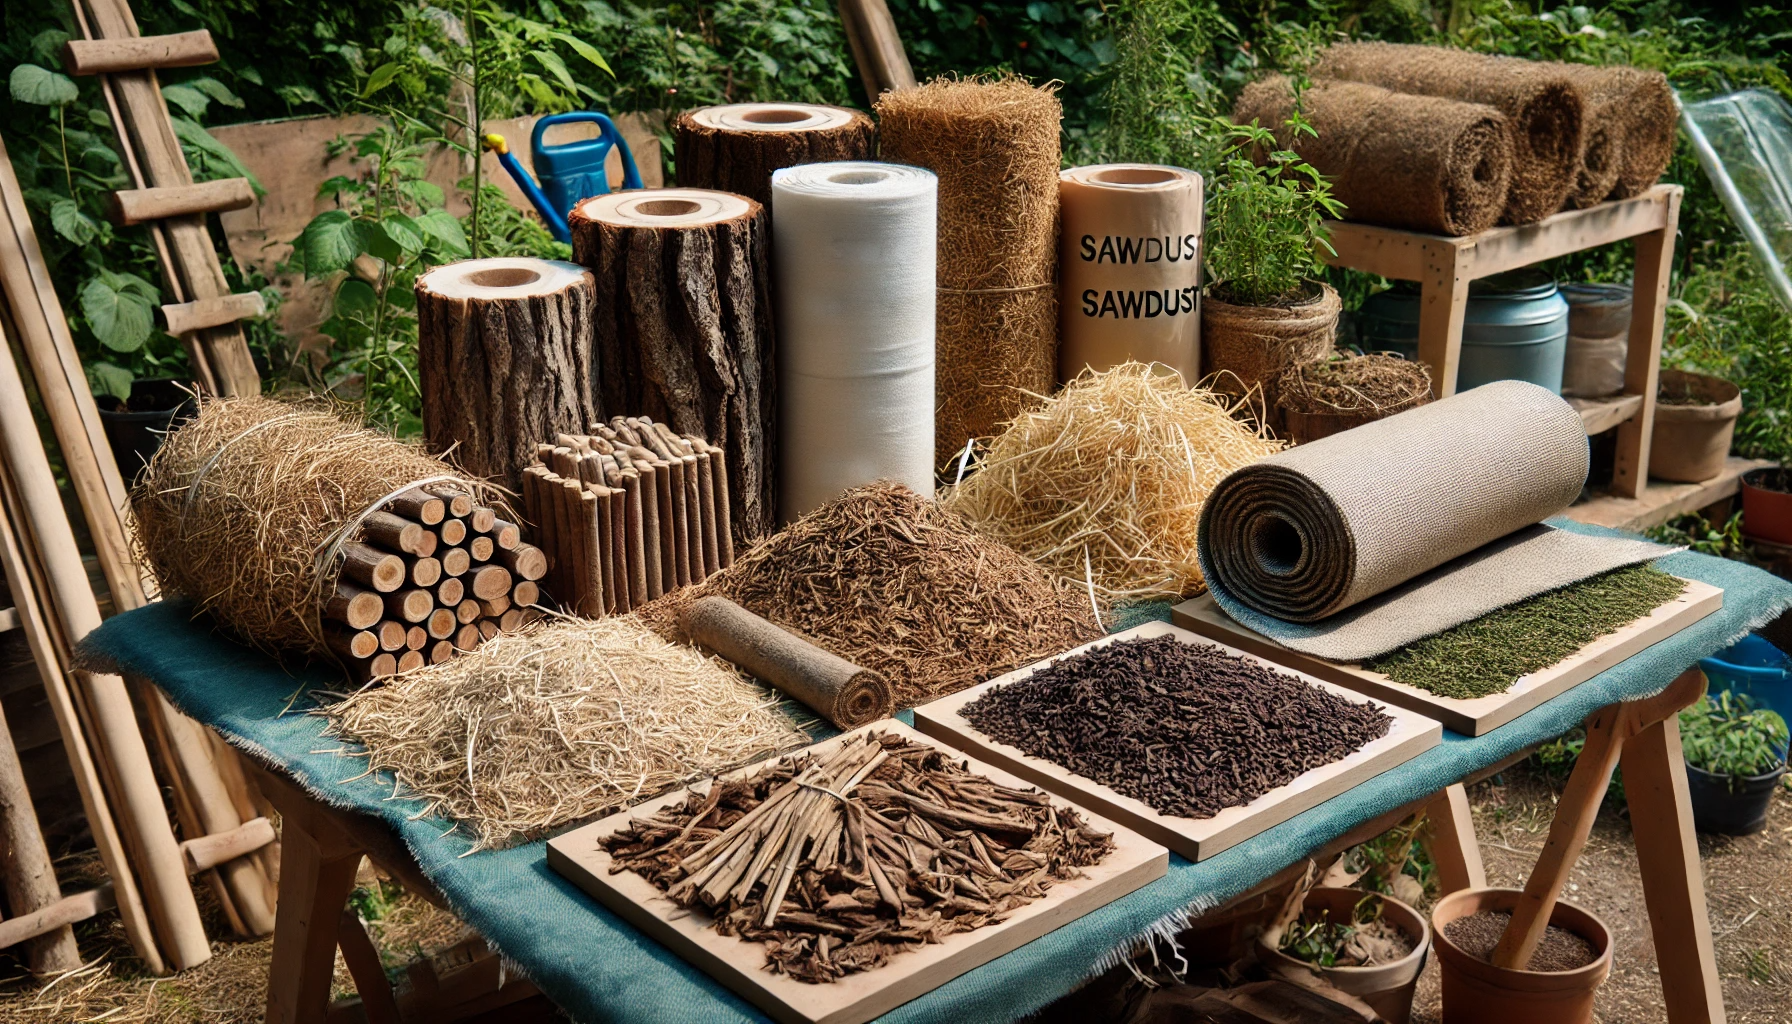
569	172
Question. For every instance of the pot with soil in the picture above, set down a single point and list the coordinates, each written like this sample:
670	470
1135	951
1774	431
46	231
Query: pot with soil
1320	399
1247	346
1735	757
1365	944
1695	419
136	425
1767	504
1570	964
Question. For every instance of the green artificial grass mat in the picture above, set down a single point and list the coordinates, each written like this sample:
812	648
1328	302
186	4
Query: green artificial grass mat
1486	655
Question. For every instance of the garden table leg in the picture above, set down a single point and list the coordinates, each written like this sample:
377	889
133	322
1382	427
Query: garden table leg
317	872
1452	842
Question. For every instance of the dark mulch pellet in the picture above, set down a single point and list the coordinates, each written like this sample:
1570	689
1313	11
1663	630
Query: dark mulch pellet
1188	729
1560	950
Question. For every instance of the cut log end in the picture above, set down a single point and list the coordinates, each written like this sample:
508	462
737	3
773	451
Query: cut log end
491	582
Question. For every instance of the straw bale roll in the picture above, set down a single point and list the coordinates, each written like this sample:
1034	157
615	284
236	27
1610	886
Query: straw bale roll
1421	162
1637	111
736	147
684	326
503	359
1544	108
994	146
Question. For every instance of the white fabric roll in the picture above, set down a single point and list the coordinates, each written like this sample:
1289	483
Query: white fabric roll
854	249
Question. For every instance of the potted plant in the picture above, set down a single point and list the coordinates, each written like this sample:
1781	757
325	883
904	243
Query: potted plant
1570	964
136	422
1265	310
1767	504
1365	944
1735	756
1695	419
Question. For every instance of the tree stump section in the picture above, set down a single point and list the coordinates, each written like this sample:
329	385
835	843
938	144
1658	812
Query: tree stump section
504	360
684	331
735	148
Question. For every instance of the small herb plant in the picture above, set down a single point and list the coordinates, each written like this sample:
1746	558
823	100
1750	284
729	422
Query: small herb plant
1323	941
1730	737
1265	218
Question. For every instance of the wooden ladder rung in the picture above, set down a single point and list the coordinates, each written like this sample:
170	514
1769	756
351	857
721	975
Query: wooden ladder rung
67	910
139	53
9	619
138	205
200	314
210	851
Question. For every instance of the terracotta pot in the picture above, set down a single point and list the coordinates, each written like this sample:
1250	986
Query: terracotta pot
1387	988
1767	510
1480	993
1691	441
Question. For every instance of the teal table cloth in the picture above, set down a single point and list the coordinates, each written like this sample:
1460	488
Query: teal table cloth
599	968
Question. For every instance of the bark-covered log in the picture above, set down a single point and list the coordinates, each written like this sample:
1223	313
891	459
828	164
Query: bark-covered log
735	148
684	327
504	359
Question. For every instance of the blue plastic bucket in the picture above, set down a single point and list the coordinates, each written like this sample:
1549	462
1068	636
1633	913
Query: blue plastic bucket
1515	328
1756	669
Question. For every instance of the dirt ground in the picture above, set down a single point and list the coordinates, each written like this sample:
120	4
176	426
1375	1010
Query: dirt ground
1748	884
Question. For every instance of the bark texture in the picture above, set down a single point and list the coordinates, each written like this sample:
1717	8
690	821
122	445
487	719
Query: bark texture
684	337
743	162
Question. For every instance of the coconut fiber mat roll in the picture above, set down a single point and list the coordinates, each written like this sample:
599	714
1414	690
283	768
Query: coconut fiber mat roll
1421	162
994	145
1632	114
1365	541
1544	108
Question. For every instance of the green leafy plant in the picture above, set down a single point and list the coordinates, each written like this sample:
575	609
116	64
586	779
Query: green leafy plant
1321	940
1265	217
1729	736
1158	103
1700	534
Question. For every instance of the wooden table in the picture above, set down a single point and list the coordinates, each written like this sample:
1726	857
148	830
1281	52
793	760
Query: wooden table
1443	266
322	848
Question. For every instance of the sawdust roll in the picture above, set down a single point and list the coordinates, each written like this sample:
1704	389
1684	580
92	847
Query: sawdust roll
736	147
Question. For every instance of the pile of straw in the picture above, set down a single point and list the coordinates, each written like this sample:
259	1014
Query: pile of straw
1103	483
994	145
242	507
562	723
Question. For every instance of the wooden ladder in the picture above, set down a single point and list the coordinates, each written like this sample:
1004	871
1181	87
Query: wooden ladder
205	313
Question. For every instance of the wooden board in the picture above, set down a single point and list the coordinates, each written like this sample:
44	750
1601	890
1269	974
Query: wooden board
1195	838
740	965
1481	714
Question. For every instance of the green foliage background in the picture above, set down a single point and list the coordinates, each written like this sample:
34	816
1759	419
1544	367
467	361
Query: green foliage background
1139	80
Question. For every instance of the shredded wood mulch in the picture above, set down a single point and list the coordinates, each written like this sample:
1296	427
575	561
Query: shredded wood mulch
1186	728
838	863
897	584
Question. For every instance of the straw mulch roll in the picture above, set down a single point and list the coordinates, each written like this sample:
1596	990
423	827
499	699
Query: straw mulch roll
241	506
1544	108
994	145
566	722
1103	483
1421	162
1638	111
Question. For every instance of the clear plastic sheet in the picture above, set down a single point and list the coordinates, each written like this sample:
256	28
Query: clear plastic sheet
1744	142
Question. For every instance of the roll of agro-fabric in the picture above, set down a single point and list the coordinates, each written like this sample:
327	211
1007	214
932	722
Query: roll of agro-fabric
1421	162
252	507
854	254
1129	268
736	147
1544	109
1363	541
994	145
1640	117
684	327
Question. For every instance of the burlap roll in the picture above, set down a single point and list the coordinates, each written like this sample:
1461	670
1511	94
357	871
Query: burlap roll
735	148
1408	525
994	146
1638	110
1544	109
1420	162
1245	347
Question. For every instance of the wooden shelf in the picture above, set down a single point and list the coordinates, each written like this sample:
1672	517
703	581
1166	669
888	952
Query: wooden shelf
1602	414
1662	501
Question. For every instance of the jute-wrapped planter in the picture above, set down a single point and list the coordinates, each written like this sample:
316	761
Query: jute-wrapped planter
1246	347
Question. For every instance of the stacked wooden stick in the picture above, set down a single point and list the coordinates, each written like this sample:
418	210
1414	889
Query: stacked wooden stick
628	512
433	575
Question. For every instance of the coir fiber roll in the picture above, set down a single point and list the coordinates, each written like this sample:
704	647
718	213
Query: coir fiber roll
1129	268
994	146
735	148
1358	543
1544	108
1640	116
1421	162
853	245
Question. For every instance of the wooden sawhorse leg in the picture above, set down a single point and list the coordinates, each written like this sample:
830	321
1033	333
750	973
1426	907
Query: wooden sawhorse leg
1452	842
317	873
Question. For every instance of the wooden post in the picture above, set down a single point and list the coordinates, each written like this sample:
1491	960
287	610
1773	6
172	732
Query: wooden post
1443	303
1642	364
317	872
884	63
1452	842
29	879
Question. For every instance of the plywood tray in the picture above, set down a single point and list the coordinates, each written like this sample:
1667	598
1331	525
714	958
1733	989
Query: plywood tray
1195	838
740	965
1471	717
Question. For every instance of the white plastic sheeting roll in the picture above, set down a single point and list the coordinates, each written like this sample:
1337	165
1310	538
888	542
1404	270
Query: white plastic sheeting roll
853	244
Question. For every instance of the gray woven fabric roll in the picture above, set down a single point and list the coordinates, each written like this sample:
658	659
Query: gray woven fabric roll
1288	543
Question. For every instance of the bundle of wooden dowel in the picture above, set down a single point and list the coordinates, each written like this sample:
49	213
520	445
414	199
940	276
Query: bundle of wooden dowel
433	574
626	513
